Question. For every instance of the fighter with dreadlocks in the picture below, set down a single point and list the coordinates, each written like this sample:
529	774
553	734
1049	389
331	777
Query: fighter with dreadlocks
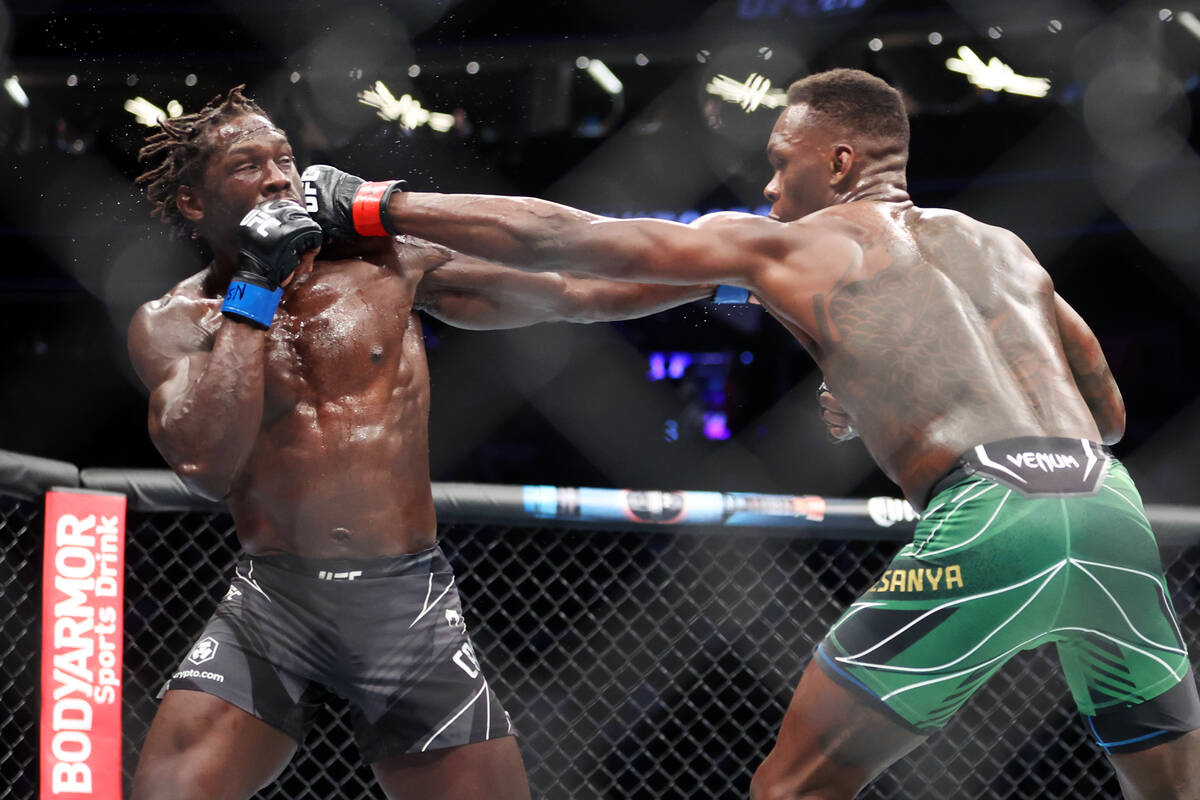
296	388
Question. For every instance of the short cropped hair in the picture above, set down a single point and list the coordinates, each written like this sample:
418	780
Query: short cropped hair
177	154
854	100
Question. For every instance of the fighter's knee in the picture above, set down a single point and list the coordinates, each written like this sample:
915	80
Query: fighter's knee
177	783
769	783
150	788
762	785
773	781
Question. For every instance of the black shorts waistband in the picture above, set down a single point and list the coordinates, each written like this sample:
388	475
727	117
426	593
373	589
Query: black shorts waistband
348	569
1032	465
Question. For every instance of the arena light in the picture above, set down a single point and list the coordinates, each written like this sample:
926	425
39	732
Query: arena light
996	75
405	110
149	114
716	426
755	92
440	122
144	111
13	87
604	76
1189	21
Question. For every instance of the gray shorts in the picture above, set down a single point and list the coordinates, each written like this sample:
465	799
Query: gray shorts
387	634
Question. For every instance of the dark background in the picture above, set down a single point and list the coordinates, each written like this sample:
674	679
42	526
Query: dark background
1101	178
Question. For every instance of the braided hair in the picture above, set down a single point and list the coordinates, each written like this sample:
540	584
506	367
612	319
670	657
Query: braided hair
178	153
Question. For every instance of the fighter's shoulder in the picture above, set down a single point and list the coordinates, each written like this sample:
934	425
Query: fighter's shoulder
184	299
1002	246
726	217
947	218
173	325
815	241
836	232
385	252
735	223
843	219
755	232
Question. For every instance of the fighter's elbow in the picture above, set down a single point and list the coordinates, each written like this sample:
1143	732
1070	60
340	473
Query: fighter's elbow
580	314
204	479
198	472
575	299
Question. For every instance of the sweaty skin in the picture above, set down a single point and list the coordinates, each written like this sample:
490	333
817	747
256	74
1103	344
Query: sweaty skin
316	430
935	331
930	348
339	463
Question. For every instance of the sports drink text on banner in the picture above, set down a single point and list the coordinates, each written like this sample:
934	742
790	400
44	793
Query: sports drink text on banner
82	595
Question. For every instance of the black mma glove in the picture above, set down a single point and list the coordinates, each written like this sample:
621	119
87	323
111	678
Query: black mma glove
271	239
346	205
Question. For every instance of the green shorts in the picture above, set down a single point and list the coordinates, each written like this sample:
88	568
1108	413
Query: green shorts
996	568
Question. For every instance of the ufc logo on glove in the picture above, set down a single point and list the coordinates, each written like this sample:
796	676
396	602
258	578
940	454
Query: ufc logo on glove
261	223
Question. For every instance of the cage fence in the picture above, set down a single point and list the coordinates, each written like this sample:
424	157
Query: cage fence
634	663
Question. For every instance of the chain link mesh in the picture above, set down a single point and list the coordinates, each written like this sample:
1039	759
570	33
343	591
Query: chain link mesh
20	638
635	665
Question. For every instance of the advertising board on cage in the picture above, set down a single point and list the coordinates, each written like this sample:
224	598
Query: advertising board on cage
82	633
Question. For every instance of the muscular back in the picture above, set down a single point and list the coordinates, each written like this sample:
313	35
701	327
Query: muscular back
936	332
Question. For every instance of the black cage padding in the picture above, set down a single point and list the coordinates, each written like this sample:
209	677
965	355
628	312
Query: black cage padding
27	477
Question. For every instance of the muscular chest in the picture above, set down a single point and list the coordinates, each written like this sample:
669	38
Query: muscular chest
338	334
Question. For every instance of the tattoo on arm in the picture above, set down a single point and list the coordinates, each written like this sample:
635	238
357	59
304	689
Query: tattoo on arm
1092	374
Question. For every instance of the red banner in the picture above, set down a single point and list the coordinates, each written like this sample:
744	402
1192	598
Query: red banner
83	573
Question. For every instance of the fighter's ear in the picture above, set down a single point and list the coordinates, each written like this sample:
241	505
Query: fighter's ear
189	203
841	162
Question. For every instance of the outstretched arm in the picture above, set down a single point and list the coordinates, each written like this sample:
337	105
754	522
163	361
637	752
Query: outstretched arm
541	236
1092	375
480	295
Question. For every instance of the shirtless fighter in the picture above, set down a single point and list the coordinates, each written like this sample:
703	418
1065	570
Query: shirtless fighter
297	388
974	386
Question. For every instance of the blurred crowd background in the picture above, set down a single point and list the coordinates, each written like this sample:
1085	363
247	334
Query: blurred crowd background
1071	122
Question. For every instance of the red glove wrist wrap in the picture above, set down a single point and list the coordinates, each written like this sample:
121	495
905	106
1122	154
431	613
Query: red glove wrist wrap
366	210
